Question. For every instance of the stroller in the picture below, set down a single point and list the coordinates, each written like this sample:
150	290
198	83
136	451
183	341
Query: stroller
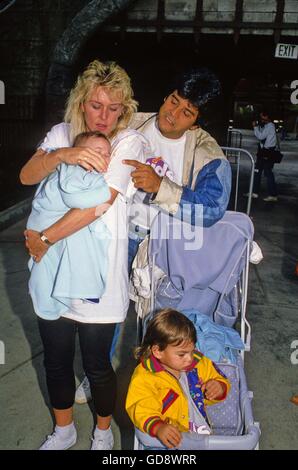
203	272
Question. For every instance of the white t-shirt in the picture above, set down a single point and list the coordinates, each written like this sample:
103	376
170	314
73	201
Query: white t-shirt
112	306
167	160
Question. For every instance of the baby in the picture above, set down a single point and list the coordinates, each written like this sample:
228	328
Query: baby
76	266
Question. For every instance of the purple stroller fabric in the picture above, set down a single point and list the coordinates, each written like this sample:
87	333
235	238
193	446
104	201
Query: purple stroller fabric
202	264
225	418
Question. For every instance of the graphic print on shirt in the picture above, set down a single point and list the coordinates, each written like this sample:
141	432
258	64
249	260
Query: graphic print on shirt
195	383
160	167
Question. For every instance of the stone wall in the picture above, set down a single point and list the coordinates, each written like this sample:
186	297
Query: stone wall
29	32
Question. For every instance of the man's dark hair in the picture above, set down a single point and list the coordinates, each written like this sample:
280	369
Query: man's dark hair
198	85
267	113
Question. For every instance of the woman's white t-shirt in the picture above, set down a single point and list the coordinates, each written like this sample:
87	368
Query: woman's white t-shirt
113	305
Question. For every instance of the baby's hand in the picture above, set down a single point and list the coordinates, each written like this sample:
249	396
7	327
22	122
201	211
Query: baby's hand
213	389
168	435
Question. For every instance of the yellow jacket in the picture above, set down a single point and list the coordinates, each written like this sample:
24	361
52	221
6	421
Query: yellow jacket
155	395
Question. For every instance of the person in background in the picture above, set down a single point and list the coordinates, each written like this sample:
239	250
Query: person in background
266	134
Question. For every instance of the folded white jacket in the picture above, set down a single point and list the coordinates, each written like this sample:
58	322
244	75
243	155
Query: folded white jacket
256	254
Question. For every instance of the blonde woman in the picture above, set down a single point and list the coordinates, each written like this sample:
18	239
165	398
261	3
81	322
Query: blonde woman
102	100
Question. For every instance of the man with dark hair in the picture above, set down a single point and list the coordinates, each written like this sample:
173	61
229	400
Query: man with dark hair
190	177
266	135
199	86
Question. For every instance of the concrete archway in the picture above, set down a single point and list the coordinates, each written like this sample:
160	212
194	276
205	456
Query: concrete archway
82	26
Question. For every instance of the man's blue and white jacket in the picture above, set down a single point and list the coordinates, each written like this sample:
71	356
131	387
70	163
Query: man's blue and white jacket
203	197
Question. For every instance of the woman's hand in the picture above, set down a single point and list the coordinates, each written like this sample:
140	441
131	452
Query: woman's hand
168	434
42	163
86	157
37	248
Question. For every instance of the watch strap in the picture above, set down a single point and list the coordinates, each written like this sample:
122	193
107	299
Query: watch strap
45	239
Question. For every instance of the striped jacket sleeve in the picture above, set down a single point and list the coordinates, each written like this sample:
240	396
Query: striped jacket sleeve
204	205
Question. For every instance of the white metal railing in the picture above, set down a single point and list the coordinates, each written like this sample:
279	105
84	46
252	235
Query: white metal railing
237	153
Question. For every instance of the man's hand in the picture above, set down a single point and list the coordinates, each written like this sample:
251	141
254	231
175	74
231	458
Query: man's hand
37	248
254	123
144	176
213	389
168	435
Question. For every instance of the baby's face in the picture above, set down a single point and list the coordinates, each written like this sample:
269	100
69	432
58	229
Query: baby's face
99	144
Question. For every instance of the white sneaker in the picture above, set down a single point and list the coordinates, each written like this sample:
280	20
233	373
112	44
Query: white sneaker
102	441
270	199
253	195
57	442
83	392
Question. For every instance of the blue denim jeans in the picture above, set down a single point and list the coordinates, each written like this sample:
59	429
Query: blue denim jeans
267	166
133	244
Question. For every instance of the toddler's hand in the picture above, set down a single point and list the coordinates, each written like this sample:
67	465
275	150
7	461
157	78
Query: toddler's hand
213	389
168	435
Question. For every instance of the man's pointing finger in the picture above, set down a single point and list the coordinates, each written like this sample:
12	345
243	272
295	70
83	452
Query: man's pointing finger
134	163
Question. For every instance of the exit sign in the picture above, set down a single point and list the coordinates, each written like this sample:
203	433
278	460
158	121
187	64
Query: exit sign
286	51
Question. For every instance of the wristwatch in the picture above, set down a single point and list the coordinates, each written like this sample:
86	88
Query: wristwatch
45	239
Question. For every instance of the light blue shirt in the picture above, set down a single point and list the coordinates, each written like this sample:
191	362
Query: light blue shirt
266	134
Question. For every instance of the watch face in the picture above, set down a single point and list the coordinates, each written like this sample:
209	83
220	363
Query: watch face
44	239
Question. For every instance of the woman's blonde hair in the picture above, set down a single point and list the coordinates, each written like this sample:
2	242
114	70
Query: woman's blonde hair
108	75
166	327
